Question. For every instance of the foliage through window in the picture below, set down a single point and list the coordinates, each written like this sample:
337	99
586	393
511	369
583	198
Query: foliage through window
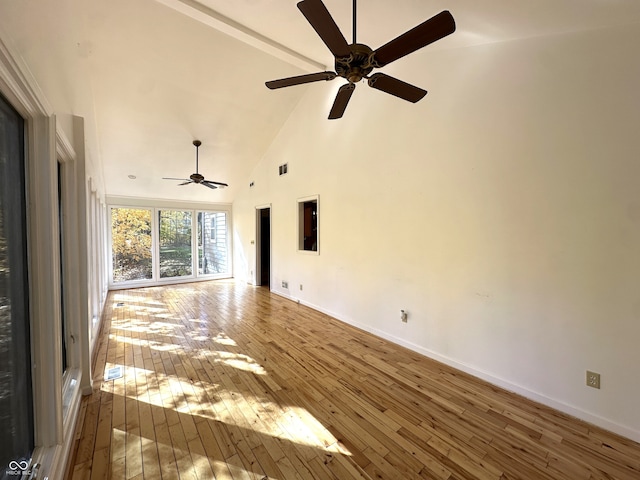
151	244
131	244
175	243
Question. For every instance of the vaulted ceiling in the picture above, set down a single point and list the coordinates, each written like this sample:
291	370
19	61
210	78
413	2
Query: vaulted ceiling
151	76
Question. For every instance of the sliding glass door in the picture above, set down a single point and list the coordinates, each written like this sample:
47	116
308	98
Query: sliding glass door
152	245
16	401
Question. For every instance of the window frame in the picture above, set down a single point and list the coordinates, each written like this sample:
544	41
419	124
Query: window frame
155	207
44	144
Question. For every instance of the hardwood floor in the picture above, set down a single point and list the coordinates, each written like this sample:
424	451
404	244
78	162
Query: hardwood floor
228	381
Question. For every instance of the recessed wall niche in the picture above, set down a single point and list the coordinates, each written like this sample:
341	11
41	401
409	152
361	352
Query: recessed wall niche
309	224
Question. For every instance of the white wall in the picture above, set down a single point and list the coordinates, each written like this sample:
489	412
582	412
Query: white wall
502	211
50	139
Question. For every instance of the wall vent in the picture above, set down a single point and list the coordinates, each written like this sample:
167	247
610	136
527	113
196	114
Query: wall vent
114	373
282	169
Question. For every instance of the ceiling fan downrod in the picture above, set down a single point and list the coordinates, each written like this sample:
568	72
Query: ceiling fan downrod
197	144
354	22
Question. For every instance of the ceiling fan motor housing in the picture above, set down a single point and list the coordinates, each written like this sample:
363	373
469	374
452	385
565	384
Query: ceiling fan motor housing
357	65
196	177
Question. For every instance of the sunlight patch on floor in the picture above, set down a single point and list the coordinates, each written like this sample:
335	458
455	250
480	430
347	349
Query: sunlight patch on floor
215	402
123	297
159	346
143	326
239	361
222	339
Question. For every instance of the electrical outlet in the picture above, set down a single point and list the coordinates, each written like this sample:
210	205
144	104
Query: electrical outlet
593	379
403	316
300	286
285	284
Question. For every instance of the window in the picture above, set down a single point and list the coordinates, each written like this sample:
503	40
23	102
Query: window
308	233
175	243
61	231
150	245
213	252
212	228
131	244
16	404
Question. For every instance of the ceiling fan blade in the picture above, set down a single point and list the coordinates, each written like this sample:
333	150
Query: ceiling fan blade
172	178
320	19
341	101
185	183
396	87
300	79
427	32
219	184
208	184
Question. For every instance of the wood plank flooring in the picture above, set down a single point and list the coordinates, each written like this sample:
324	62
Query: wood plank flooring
229	381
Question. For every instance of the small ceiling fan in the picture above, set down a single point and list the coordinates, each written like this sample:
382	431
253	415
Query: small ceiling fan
356	61
196	177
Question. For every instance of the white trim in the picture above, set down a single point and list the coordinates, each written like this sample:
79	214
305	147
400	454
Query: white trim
82	293
69	263
96	270
44	281
167	281
65	151
59	467
211	18
18	85
121	201
52	433
576	412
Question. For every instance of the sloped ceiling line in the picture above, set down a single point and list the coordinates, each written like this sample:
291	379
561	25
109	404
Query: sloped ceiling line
238	31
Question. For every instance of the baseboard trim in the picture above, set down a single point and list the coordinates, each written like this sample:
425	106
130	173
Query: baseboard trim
486	376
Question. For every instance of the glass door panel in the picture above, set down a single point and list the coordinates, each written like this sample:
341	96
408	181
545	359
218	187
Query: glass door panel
175	243
16	401
213	252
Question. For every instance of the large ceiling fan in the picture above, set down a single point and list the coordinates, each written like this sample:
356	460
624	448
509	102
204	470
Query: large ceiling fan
356	61
196	177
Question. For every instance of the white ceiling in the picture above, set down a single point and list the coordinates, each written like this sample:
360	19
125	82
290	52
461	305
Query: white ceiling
150	76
